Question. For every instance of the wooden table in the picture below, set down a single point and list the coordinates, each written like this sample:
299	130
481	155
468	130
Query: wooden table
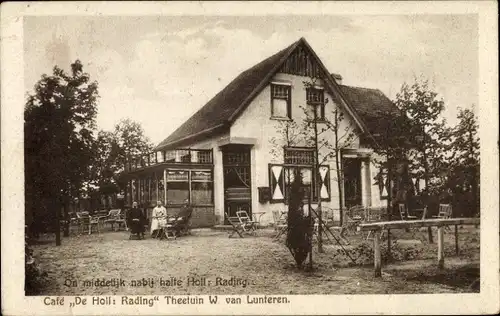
378	227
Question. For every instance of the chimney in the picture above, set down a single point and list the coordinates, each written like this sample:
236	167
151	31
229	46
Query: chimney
338	78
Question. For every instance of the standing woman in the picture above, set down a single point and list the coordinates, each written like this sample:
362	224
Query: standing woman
159	218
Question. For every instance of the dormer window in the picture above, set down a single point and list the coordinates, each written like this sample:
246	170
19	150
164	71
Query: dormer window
315	98
281	101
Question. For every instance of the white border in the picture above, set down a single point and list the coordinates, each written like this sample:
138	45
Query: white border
12	92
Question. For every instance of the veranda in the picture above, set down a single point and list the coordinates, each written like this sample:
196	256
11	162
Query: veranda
173	177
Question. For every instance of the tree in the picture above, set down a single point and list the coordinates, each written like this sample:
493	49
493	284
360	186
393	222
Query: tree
112	150
419	103
392	146
463	175
104	167
130	142
59	121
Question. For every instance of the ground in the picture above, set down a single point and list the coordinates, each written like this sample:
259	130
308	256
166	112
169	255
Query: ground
264	263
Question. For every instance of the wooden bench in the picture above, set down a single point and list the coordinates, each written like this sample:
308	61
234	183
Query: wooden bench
377	227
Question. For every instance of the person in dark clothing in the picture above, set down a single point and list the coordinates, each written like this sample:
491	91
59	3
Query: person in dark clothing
136	221
182	219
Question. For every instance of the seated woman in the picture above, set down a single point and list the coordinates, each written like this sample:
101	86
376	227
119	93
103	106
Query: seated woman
135	221
159	219
182	220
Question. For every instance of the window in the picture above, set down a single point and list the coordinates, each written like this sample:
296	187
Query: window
281	177
177	186
315	103
201	187
281	106
306	173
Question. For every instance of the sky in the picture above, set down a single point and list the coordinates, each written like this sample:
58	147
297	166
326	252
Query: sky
160	70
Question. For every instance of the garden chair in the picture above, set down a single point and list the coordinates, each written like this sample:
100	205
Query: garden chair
405	216
445	212
167	230
237	226
352	217
403	212
86	222
280	223
375	214
115	217
248	224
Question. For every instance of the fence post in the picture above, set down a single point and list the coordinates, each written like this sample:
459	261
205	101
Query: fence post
440	247
376	254
456	240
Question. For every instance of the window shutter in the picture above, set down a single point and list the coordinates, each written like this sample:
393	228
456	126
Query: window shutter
324	182
276	183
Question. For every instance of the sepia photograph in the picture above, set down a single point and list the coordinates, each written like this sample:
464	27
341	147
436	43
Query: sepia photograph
170	159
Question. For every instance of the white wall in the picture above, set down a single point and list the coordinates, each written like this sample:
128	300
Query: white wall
256	122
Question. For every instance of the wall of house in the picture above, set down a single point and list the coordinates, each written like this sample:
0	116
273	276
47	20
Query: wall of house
256	122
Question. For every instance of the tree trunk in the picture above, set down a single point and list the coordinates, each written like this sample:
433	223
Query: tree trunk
311	234
474	191
389	204
426	181
56	208
339	185
315	184
389	188
66	218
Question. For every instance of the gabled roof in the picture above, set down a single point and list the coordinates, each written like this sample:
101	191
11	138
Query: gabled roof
214	116
224	108
374	107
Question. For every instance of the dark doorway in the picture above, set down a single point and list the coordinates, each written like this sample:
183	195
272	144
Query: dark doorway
237	179
352	181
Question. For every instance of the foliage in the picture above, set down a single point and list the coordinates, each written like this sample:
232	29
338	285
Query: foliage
299	229
290	135
131	142
462	175
59	121
420	104
111	152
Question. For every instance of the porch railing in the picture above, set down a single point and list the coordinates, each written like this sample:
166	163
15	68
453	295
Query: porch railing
175	156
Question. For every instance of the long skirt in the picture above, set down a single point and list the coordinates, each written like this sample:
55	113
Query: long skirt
136	226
